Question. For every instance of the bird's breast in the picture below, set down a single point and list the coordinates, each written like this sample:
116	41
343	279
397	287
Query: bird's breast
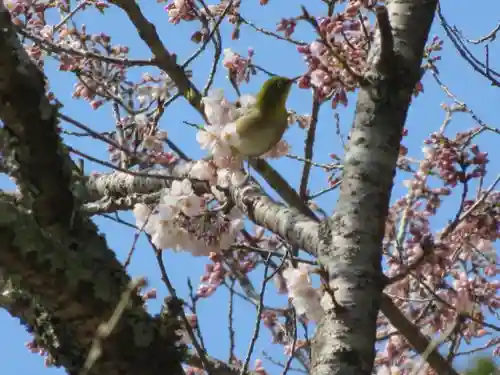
259	140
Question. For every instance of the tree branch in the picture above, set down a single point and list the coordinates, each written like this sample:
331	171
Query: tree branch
53	252
386	39
20	305
78	286
295	227
351	246
30	121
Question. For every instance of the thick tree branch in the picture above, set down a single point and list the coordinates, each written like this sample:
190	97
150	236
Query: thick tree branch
295	227
281	186
386	40
351	246
53	252
53	335
122	185
44	176
80	285
218	367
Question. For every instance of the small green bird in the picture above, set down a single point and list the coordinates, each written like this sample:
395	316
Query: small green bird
262	127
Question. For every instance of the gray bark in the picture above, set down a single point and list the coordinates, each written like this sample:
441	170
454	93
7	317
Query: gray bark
52	252
351	242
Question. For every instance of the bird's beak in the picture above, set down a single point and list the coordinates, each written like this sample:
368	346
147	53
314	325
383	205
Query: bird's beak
295	79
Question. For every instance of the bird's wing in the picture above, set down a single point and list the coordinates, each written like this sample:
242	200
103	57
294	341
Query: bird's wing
249	122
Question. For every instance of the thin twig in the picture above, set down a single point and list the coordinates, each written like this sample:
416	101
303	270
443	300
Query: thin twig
194	300
462	49
45	45
187	326
309	148
91	132
279	364
210	36
217	42
70	15
120	135
453	327
464	215
270	33
231	319
263	70
118	220
268	252
490	37
325	190
116	168
294	343
136	238
461	106
258	319
326	167
177	150
452	307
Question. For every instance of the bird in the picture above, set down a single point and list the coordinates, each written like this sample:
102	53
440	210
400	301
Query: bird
261	127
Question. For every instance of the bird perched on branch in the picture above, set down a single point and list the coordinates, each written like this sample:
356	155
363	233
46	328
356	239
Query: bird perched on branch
262	127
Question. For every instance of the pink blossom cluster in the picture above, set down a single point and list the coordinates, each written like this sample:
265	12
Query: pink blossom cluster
342	41
98	79
457	274
396	347
240	68
436	45
188	10
181	10
182	221
453	158
287	26
99	64
139	142
214	276
280	333
186	221
37	349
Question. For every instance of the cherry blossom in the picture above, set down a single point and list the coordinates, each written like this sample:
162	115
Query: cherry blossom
305	298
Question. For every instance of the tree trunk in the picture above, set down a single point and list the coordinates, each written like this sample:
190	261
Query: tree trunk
351	240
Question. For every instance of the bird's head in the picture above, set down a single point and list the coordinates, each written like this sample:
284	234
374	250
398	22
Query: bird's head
274	93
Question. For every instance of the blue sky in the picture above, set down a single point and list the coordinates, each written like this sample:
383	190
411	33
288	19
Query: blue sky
425	116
